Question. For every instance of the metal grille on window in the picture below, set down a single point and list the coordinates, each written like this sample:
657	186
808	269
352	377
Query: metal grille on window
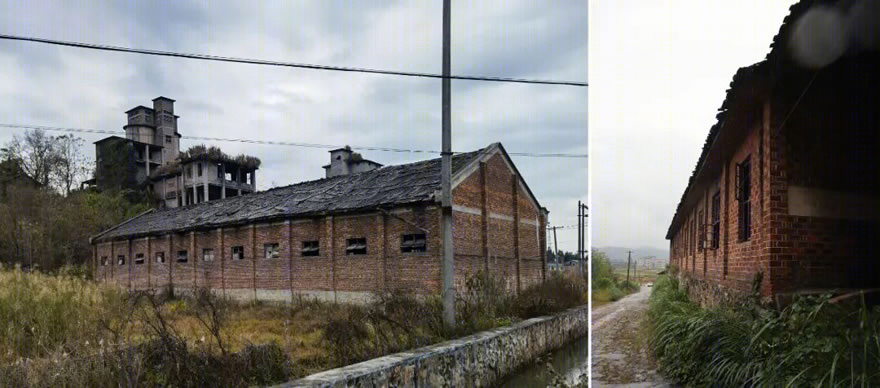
310	248
356	246
413	243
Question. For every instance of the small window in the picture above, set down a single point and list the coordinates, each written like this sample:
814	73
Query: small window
120	259
413	243
189	171
237	253
310	248
200	169
715	233
271	250
160	257
103	260
207	254
182	257
743	195
356	246
167	139
139	258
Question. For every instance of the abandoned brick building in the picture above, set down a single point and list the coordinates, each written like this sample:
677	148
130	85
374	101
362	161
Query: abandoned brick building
343	237
786	187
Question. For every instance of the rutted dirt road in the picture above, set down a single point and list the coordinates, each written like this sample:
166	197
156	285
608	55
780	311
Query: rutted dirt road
621	357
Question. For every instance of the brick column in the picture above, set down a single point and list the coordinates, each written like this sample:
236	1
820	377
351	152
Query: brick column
149	260
253	241
331	231
128	263
171	259
484	217
514	192
289	224
380	267
192	245
222	240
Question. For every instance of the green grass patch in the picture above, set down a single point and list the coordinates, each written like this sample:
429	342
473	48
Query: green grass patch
809	343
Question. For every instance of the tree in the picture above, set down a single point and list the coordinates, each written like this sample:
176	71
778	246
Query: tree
73	166
37	155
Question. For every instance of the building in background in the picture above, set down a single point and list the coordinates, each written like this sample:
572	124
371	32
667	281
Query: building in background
149	157
344	237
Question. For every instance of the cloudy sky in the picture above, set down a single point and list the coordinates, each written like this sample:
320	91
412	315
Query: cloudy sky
68	87
659	71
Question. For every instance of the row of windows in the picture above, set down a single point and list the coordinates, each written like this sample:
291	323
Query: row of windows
697	238
356	246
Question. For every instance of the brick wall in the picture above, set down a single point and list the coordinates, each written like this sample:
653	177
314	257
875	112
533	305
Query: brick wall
497	227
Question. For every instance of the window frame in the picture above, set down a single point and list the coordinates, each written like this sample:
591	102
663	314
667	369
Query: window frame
183	256
356	246
310	251
715	225
412	243
207	254
276	251
240	252
743	195
120	259
160	257
139	258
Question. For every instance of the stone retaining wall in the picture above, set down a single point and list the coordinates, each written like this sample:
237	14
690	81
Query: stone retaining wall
478	360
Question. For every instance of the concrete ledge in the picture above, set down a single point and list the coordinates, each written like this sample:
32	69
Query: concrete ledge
479	360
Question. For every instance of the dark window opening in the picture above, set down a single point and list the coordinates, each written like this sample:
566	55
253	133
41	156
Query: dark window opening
139	258
120	259
168	139
182	257
160	257
356	246
715	234
207	254
413	243
271	250
701	232
743	195
200	168
310	248
103	260
237	252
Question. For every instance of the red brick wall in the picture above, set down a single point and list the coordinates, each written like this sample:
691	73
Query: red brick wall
476	232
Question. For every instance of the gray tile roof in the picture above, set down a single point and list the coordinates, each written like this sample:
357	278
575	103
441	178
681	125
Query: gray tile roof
386	186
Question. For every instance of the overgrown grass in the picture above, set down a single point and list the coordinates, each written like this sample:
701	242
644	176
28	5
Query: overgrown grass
65	330
398	321
809	343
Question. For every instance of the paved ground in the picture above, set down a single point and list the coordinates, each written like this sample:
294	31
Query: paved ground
620	354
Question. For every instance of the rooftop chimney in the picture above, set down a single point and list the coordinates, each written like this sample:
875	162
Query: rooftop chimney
344	161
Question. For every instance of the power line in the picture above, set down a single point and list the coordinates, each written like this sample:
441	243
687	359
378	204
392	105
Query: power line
280	143
218	58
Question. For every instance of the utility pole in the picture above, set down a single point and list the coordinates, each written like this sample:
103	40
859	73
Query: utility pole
555	245
628	259
446	177
582	233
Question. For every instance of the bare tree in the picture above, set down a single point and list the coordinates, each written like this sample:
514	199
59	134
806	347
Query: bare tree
72	166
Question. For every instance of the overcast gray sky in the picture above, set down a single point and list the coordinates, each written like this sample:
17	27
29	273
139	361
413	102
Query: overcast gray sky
659	71
69	87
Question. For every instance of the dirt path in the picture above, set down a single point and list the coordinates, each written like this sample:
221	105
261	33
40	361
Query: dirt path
620	354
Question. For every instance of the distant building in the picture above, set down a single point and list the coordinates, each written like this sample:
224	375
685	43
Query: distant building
786	188
149	157
344	237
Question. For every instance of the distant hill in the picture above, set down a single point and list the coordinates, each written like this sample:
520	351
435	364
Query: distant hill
618	255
